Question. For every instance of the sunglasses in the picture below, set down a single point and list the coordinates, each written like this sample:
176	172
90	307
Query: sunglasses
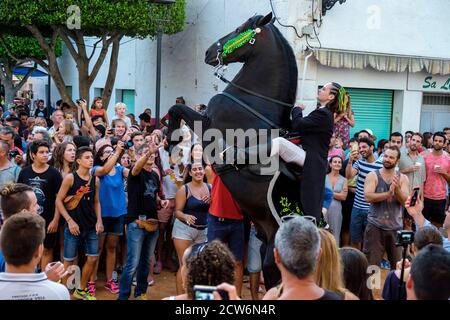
293	216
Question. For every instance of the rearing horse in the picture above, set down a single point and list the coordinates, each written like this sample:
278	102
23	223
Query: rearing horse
260	96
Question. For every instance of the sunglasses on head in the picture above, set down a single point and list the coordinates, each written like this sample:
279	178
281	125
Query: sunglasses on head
292	216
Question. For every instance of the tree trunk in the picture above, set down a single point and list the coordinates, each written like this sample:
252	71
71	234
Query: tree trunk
85	80
113	63
10	91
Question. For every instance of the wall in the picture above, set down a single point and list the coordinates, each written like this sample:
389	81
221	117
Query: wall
410	27
405	27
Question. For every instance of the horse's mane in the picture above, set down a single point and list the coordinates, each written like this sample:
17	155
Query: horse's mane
291	61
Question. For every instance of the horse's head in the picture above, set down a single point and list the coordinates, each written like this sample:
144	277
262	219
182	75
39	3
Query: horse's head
238	45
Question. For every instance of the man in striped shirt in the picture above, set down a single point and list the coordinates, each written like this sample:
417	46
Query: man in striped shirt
360	167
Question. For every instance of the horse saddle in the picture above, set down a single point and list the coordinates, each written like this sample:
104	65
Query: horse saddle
255	160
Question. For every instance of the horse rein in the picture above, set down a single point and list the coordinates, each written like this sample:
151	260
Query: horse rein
221	77
283	131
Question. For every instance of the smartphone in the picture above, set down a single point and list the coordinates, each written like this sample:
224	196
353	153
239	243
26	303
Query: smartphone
413	201
355	147
206	293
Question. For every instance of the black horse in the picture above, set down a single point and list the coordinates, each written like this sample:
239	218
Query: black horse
261	96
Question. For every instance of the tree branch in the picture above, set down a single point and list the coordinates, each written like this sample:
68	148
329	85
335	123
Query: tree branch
101	59
24	80
3	44
79	36
40	38
56	32
69	45
112	71
41	63
95	47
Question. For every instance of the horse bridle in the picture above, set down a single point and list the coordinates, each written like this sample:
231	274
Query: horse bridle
221	77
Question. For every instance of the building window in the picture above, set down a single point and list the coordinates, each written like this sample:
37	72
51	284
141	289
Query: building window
436	99
69	91
98	92
126	96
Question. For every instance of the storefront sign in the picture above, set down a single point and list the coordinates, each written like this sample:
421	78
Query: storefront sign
426	82
431	83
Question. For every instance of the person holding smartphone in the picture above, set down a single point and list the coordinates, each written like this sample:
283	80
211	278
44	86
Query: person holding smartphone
205	265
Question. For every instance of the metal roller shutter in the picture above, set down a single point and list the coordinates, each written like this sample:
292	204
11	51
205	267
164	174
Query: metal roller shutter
373	110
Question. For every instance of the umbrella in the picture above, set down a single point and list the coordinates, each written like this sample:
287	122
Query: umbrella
22	71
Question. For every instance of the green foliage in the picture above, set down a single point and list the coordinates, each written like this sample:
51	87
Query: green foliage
134	18
287	209
23	48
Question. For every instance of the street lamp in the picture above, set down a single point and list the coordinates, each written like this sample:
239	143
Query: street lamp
328	4
158	60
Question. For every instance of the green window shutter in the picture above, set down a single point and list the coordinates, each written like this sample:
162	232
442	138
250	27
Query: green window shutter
373	110
128	99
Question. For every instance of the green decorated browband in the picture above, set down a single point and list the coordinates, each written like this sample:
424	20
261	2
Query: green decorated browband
238	41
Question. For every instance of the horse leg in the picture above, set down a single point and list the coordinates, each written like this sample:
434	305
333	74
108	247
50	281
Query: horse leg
272	275
180	112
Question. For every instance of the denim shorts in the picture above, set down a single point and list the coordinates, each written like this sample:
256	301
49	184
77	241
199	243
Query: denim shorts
358	223
182	231
71	243
254	253
113	226
230	232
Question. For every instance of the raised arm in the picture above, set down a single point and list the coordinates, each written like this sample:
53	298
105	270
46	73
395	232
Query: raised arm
87	118
314	122
109	165
143	160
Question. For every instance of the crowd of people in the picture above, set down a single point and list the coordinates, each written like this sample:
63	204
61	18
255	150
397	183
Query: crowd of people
76	185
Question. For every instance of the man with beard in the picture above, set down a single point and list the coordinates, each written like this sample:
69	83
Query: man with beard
386	191
437	165
361	167
412	164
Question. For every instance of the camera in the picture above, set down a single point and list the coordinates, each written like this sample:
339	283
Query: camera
405	237
129	144
206	293
80	100
13	153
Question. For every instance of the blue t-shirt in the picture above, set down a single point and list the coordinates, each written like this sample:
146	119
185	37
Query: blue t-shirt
2	262
112	195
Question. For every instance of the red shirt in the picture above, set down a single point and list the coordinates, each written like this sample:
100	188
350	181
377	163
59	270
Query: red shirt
222	203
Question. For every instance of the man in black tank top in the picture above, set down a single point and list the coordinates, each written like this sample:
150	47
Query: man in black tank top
78	202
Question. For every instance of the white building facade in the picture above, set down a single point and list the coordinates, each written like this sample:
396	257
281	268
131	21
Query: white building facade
392	56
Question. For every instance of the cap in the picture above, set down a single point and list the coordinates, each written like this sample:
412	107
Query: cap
370	132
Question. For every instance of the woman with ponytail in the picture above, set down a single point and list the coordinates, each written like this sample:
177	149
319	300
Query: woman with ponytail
316	130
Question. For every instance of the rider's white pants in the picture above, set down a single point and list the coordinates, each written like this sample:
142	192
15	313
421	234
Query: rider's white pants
288	151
